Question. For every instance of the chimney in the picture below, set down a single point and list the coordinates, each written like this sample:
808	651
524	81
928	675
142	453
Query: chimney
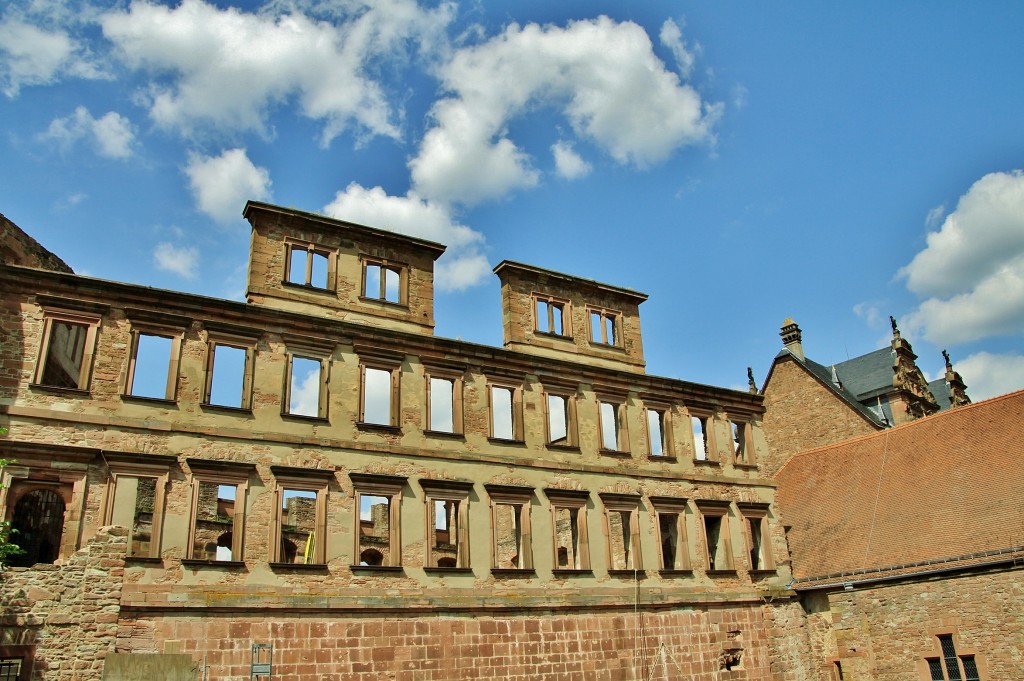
791	338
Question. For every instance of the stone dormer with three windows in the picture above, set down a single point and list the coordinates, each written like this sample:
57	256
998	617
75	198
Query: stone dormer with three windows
311	264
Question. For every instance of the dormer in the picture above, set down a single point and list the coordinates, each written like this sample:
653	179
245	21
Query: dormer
558	315
316	265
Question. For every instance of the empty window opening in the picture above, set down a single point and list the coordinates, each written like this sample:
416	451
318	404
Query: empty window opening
837	671
215	519
610	427
382	282
442	405
717	545
508	536
619	538
602	328
741	442
700	437
228	381
38	525
298	527
656	432
558	420
375	527
445	532
134	507
760	559
305	387
377	393
65	355
10	669
502	416
308	266
549	317
668	534
151	373
567	539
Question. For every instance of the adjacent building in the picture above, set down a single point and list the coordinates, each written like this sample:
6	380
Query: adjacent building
313	472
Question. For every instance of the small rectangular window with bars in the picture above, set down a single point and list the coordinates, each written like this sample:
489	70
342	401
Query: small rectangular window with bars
10	669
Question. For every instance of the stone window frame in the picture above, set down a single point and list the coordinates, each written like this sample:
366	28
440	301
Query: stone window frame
322	353
664	411
402	269
937	654
514	496
456	378
680	508
145	323
155	466
614	502
315	480
619	404
606	315
89	316
238	339
331	254
22	654
707	420
393	367
741	432
761	513
379	485
33	471
721	510
575	501
572	435
448	490
551	303
518	427
219	473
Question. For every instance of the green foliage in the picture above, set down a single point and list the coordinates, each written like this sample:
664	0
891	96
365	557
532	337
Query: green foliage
7	548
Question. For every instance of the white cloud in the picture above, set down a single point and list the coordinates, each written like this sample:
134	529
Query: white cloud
112	134
934	217
183	261
740	95
869	312
222	184
228	67
30	55
972	269
460	267
671	36
988	375
595	72
568	163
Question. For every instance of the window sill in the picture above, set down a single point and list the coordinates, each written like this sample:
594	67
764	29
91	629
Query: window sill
572	573
513	573
731	572
707	462
378	569
381	301
299	567
145	399
746	466
564	448
307	287
143	560
766	572
58	389
444	434
551	335
662	457
199	563
448	570
615	453
505	441
379	427
675	574
630	574
302	418
226	409
607	346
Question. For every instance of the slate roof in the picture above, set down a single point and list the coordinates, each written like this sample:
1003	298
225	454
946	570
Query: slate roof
939	491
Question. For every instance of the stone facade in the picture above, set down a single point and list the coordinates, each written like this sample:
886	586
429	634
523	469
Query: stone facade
343	399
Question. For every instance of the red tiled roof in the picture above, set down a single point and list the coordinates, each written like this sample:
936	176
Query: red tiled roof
940	488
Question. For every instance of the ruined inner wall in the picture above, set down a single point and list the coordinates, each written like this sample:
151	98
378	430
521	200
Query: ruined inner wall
698	644
885	632
801	414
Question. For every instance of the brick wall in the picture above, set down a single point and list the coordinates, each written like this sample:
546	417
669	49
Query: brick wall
67	612
698	645
801	414
884	633
18	248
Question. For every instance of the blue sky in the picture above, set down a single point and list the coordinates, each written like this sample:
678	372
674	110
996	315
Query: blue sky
740	163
